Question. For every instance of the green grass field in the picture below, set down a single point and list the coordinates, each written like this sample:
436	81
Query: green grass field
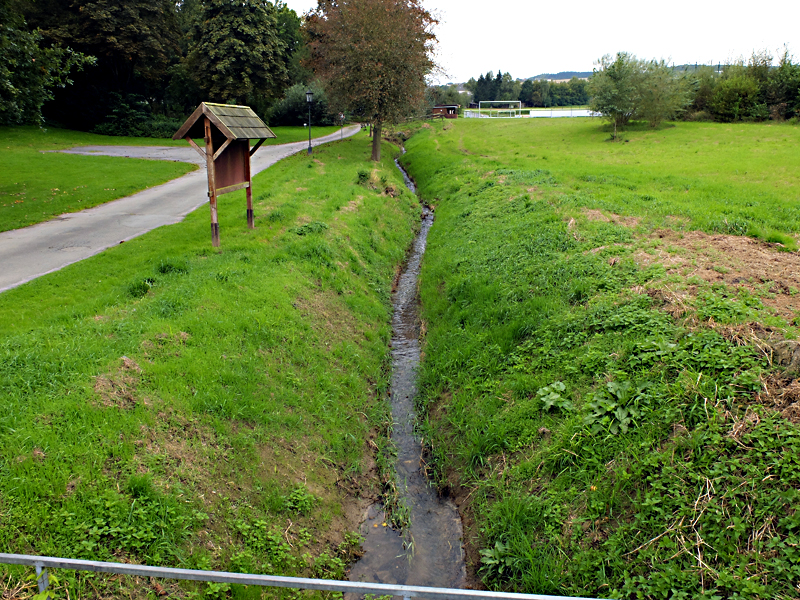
169	403
736	179
36	185
608	386
606	391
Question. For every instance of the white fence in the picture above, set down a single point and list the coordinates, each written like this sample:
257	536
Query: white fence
533	113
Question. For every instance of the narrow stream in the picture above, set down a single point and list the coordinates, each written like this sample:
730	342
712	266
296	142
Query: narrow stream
434	556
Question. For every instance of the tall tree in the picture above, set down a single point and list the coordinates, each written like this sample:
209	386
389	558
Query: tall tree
784	88
483	87
134	41
614	88
236	52
373	57
508	88
29	70
541	93
662	93
470	85
296	50
497	86
526	93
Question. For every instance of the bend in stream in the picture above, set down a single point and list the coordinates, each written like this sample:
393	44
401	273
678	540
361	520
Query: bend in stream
435	555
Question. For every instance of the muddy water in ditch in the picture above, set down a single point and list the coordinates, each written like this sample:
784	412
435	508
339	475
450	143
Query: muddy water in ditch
434	556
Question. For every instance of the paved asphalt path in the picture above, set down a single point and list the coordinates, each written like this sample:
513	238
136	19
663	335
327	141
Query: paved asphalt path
28	253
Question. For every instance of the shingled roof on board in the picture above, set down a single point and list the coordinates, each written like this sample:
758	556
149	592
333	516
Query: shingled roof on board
235	122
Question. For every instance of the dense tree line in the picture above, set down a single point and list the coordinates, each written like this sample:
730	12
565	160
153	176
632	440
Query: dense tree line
531	92
624	88
493	87
540	92
138	67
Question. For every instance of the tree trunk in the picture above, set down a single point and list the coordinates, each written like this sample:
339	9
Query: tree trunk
376	141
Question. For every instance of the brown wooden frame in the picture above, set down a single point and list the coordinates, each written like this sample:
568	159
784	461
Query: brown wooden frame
236	124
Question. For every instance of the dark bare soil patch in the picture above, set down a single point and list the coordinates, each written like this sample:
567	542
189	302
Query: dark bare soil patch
739	262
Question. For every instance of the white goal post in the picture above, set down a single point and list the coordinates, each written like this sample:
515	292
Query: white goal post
512	109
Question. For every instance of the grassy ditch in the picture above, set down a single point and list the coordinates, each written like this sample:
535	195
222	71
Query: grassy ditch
36	185
168	403
609	391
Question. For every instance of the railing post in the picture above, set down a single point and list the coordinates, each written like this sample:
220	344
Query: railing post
42	579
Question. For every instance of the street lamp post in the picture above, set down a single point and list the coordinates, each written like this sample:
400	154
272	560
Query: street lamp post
309	98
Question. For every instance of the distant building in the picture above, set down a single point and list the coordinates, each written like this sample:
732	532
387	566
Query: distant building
448	111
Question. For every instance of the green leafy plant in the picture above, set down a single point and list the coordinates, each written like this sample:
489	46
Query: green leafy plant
300	500
495	561
139	289
614	407
47	594
309	228
551	397
216	590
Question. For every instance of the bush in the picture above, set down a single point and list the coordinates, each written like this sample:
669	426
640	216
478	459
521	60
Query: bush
735	99
293	108
131	116
700	115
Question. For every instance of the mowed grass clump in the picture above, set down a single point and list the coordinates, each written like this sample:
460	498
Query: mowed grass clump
169	403
603	442
38	183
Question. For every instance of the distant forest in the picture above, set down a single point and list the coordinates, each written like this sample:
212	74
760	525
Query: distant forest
531	92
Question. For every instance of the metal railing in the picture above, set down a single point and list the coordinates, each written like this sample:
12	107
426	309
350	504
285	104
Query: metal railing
42	563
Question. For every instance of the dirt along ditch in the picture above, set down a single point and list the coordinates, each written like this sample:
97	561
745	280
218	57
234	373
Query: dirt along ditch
429	552
699	261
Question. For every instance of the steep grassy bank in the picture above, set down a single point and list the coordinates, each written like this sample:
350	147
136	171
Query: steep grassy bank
610	394
169	403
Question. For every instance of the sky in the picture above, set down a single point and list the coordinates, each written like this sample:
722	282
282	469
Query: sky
529	38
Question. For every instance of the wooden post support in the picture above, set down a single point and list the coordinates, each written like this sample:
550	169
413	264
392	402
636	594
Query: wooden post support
251	219
212	184
227	130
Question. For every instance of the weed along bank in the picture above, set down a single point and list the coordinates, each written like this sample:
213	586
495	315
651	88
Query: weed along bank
227	131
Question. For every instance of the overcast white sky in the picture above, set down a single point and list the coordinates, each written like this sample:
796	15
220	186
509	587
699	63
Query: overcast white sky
527	38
